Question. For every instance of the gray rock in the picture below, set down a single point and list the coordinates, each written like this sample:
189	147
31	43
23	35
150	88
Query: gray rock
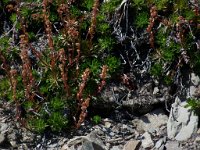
2	139
81	142
197	139
3	127
155	90
13	144
159	143
94	138
140	100
23	147
152	131
12	135
89	142
147	142
195	79
136	134
88	145
64	147
116	129
108	124
151	122
194	89
53	146
115	148
192	92
172	145
162	147
112	134
28	138
132	145
182	122
198	131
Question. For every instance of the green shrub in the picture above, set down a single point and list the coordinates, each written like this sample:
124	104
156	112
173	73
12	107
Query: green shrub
194	105
53	85
96	119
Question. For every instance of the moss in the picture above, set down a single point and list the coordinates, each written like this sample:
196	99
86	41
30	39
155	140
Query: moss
5	89
87	4
96	119
106	43
57	121
110	6
37	124
141	20
75	11
156	69
168	80
113	64
161	4
138	3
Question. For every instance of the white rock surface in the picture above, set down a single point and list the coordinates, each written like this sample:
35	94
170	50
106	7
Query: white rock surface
159	143
192	91
2	139
195	79
147	142
115	148
107	124
182	122
3	127
172	145
155	90
197	139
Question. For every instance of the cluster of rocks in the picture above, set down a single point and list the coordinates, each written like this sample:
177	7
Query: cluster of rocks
156	129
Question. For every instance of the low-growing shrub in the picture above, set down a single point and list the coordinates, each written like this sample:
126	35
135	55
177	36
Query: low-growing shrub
52	87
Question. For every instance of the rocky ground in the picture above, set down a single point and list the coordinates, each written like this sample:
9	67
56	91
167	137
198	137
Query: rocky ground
150	131
120	129
140	116
134	117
